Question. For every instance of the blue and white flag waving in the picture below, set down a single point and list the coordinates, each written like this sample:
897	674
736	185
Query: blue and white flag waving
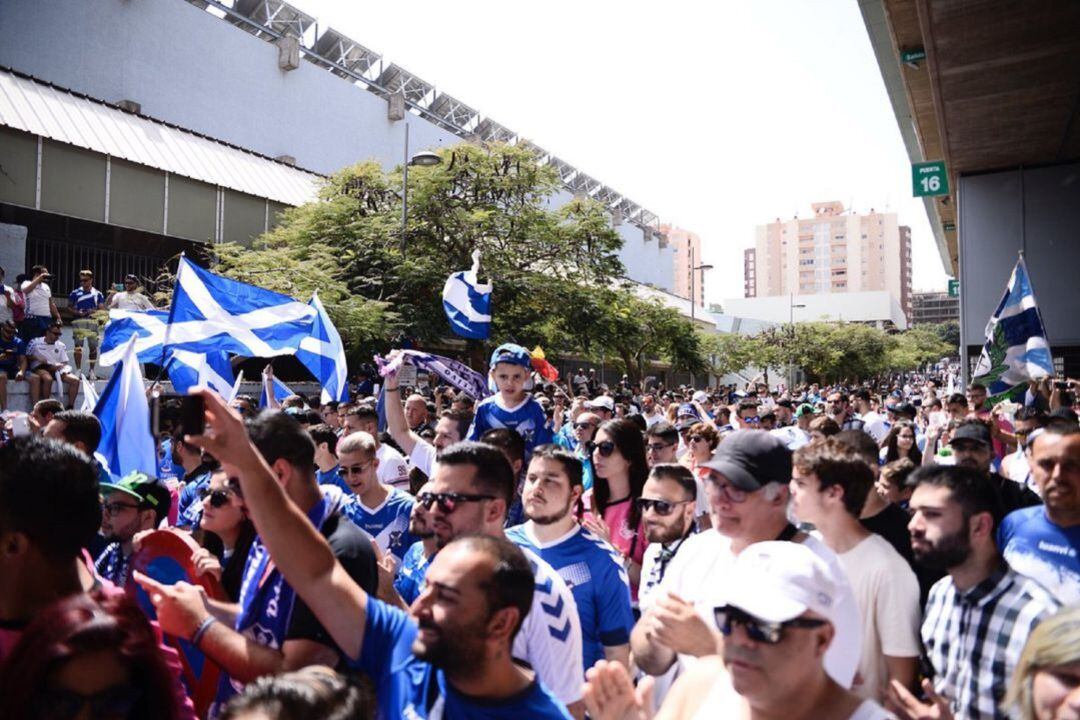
213	370
124	413
468	303
281	391
324	355
211	313
1016	349
148	328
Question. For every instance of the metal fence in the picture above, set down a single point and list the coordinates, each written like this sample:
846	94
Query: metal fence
66	258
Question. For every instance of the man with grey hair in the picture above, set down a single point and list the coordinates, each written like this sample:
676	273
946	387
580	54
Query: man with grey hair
747	490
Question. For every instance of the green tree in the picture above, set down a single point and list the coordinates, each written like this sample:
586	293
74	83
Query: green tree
727	353
915	348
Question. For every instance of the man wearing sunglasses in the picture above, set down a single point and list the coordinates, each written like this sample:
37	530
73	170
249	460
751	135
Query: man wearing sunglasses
592	568
453	650
132	504
778	609
747	488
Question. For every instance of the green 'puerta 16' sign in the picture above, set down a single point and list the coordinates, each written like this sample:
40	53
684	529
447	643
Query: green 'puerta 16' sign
929	178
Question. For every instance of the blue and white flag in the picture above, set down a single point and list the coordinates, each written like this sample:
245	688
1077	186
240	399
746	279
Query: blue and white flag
456	374
1016	349
124	413
187	369
281	391
90	396
146	326
324	355
210	313
468	303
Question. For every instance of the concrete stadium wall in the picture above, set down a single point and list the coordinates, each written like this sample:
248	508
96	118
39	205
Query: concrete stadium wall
187	67
1034	210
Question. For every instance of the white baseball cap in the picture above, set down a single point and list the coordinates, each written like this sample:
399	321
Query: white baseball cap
778	581
602	401
701	396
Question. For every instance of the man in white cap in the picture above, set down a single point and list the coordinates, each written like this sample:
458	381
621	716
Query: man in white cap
603	406
748	496
778	609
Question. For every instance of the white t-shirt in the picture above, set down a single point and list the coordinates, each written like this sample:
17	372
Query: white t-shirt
696	574
125	300
40	352
651	420
422	457
7	314
37	300
793	436
887	593
393	470
550	635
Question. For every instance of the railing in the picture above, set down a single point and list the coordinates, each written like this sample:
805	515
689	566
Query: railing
65	258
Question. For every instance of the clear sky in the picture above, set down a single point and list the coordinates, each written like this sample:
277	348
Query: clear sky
716	116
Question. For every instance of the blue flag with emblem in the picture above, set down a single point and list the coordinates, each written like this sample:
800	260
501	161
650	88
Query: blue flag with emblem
467	302
1016	349
122	409
210	313
323	353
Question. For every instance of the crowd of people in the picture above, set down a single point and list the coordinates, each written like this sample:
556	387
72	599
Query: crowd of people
31	324
873	550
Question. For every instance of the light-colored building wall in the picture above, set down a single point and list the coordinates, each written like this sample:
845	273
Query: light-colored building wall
686	247
833	251
873	306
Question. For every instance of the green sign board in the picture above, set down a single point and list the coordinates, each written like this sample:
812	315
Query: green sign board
948	227
954	288
929	178
912	56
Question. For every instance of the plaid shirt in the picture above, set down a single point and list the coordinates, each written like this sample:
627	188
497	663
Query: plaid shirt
974	639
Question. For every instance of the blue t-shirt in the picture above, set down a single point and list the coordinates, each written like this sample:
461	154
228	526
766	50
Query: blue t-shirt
411	573
17	348
594	572
412	688
84	302
528	419
388	524
333	477
1047	553
565	438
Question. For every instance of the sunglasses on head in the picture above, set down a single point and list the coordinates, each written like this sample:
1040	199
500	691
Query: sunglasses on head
758	630
605	448
448	502
662	507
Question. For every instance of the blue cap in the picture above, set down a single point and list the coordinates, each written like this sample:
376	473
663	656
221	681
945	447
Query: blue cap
687	410
513	354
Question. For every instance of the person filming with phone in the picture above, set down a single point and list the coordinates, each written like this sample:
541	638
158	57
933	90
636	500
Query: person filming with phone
41	310
129	296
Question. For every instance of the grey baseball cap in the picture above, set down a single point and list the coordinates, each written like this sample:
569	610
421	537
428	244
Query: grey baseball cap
751	459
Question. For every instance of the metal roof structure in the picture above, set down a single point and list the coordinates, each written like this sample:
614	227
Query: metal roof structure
348	59
58	114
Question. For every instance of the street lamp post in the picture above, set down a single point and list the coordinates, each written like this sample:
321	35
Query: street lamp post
421	159
791	328
694	269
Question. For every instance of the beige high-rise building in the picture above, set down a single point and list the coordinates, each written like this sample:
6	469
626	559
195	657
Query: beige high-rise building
833	251
687	247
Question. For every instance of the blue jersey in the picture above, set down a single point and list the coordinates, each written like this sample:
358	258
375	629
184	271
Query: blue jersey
388	524
1047	553
333	477
412	688
10	352
85	302
410	576
594	572
528	419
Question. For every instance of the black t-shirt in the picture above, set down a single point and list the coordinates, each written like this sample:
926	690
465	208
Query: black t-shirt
354	551
891	524
1013	495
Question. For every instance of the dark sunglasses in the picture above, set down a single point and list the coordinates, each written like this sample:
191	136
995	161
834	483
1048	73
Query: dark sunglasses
583	425
759	630
751	419
605	448
695	438
63	704
215	498
657	447
662	507
448	502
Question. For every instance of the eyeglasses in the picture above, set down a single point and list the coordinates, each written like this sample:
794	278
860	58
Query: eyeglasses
218	497
751	419
759	630
114	509
355	469
695	438
584	425
64	704
605	448
657	447
662	507
732	493
448	502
